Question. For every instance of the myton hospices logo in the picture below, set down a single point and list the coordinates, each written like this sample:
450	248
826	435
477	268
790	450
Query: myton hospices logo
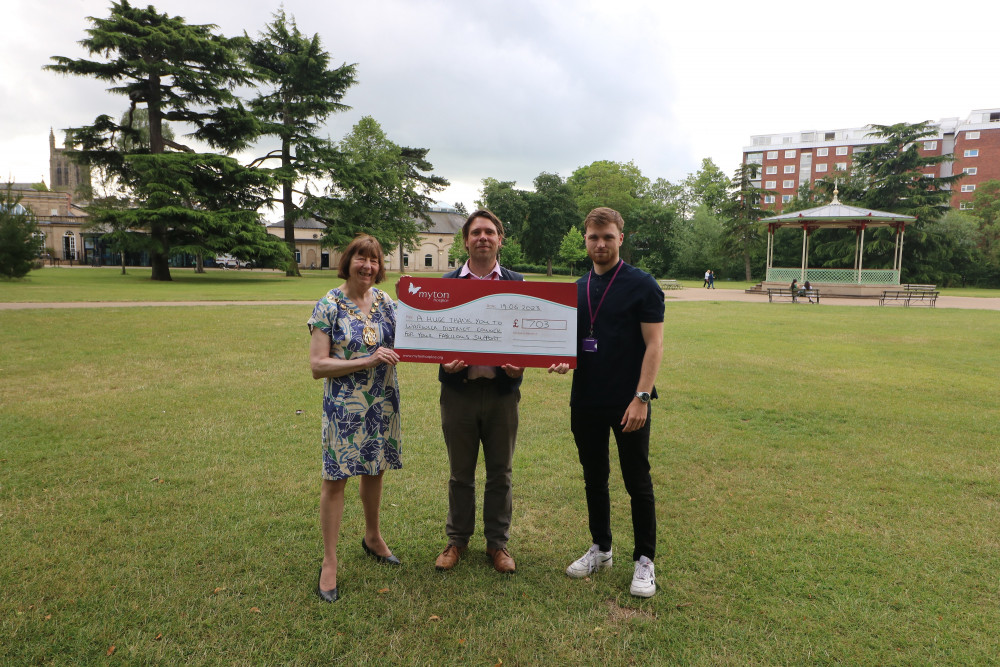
440	297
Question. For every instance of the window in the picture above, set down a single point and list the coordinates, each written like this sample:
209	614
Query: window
841	150
965	205
971	171
298	256
808	136
768	199
788	184
829	136
755	158
929	175
69	246
930	145
761	141
821	167
786	198
971	187
772	155
406	260
840	166
789	153
770	185
771	170
822	152
789	168
972	152
786	140
995	116
428	261
972	135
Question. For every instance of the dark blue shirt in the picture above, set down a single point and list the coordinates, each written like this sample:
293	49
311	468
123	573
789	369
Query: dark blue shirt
608	377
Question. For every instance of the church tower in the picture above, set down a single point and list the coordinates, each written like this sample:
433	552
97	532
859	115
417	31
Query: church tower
64	174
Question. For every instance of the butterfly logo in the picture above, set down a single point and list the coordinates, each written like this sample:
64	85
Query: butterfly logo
413	289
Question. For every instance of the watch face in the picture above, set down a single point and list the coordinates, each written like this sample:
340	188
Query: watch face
642	396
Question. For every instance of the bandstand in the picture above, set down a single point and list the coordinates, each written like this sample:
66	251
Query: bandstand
857	281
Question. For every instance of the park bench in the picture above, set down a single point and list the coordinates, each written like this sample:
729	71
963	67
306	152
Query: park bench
909	297
666	284
787	293
910	287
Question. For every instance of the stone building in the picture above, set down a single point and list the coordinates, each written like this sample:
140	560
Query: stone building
431	254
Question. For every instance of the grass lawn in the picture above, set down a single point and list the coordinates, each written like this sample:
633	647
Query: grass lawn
107	284
828	486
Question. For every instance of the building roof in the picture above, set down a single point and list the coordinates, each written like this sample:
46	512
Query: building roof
445	222
442	222
836	214
301	223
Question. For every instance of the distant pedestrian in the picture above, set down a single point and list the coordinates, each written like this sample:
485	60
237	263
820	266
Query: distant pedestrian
711	279
708	274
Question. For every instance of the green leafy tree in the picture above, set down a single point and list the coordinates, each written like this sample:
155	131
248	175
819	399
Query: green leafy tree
302	90
696	245
458	253
20	240
986	209
572	248
378	188
178	72
511	253
506	202
742	213
708	186
551	212
617	185
460	207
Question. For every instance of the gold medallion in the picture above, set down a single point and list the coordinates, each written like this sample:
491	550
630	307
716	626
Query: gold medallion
369	335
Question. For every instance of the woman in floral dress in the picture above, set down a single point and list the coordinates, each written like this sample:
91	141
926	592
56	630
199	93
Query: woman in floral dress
353	331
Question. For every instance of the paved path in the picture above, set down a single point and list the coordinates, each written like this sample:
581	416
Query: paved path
686	294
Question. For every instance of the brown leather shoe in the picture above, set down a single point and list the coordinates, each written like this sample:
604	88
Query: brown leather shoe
449	557
503	562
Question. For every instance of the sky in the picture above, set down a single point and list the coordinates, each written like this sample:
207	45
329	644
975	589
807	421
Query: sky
514	88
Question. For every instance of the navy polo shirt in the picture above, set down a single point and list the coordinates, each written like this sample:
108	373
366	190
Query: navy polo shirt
608	377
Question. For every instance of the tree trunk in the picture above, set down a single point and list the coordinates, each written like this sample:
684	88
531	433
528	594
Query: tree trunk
199	263
122	253
549	272
158	257
288	208
746	263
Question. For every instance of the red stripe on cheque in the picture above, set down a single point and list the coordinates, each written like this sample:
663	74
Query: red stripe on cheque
441	320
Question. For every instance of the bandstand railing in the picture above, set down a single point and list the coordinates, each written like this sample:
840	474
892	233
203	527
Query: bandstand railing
835	276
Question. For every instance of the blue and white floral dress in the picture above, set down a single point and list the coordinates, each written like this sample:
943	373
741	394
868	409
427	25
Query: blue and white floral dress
361	425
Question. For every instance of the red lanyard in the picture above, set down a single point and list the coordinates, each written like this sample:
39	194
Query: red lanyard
590	307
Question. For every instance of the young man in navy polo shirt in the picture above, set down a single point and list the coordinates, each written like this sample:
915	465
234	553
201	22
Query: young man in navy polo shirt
619	347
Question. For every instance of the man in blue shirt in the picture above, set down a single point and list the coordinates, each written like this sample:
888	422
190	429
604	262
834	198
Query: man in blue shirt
619	346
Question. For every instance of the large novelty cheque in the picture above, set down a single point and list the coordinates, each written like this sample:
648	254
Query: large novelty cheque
486	322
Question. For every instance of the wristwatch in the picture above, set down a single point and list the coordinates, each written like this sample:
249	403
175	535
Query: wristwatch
642	396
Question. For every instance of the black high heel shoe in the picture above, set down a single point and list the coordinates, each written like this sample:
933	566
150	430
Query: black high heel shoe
388	560
325	596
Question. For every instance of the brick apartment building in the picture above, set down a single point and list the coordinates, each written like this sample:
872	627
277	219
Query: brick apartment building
790	159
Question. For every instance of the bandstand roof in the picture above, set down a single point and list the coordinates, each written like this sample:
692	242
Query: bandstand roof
836	214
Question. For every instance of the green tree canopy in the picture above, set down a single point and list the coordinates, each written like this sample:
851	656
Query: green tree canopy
178	72
378	188
551	212
298	90
20	240
506	202
742	213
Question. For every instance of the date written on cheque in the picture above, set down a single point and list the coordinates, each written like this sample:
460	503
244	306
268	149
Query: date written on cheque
524	307
552	325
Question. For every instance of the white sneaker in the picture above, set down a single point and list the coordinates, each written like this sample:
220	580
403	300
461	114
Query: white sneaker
644	579
590	562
